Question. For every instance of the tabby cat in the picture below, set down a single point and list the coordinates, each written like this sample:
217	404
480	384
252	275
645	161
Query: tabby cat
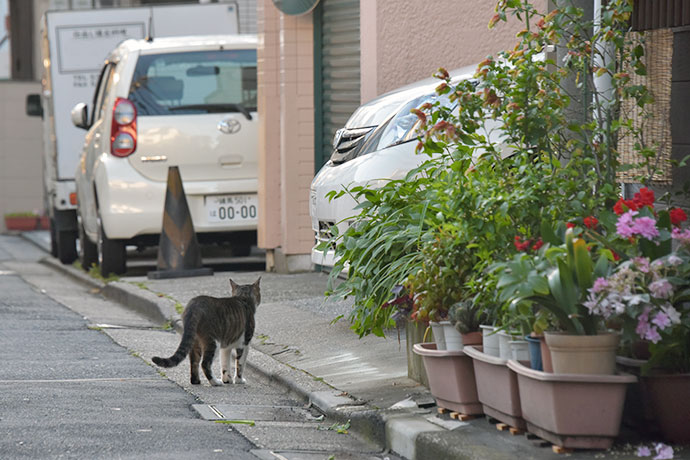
209	321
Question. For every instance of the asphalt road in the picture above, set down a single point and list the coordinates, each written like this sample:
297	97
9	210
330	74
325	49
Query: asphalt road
69	391
76	382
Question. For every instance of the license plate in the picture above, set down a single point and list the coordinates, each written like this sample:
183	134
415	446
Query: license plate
231	208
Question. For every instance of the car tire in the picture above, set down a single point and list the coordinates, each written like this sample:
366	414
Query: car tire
88	251
53	239
112	257
66	242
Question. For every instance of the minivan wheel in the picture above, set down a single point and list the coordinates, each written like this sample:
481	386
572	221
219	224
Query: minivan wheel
112	257
88	251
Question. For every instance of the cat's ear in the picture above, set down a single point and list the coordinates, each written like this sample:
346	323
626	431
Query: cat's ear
256	283
233	285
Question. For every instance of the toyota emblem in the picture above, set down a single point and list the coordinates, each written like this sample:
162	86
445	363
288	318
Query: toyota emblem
229	126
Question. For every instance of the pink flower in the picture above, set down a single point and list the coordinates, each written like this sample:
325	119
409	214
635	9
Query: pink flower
645	227
661	289
644	451
624	226
600	284
683	237
642	264
663	452
652	335
662	320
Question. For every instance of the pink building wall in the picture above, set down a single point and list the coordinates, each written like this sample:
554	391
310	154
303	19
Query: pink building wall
403	41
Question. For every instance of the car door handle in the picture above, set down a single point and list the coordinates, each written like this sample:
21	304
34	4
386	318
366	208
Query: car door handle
230	160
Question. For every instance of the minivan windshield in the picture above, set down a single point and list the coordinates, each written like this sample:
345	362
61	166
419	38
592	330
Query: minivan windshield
195	82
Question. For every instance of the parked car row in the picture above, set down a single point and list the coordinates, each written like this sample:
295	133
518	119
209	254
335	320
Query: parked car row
189	102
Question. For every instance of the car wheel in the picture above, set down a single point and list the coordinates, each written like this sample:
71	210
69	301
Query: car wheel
53	239
66	241
112	257
88	251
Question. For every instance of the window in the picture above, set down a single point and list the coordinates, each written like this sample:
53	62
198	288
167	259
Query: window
195	82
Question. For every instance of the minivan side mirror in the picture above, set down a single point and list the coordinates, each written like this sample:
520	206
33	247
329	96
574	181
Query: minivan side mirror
79	116
33	105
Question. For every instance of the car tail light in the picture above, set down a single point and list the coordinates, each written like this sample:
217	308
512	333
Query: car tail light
123	131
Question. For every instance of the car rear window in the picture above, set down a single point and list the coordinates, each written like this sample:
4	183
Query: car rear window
195	82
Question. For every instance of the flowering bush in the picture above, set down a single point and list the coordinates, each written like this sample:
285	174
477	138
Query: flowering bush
649	291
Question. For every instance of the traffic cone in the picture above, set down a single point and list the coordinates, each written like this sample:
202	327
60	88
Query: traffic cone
179	254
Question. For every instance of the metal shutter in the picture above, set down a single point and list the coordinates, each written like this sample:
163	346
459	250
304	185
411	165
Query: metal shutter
337	70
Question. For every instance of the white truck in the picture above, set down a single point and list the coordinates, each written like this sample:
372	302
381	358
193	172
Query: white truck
74	46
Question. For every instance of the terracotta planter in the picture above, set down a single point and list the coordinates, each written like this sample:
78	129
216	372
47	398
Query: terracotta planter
668	395
497	387
572	410
26	223
451	378
472	338
637	412
583	354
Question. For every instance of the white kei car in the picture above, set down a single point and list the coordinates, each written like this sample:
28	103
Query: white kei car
179	101
377	144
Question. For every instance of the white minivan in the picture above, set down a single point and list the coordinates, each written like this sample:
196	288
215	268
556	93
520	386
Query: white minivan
179	101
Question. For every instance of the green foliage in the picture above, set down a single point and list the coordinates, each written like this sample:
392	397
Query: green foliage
555	279
467	316
519	157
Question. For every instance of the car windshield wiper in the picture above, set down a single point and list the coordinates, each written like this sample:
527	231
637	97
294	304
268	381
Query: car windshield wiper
214	108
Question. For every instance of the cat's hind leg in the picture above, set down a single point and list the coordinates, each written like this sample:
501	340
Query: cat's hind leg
225	363
207	362
240	358
194	359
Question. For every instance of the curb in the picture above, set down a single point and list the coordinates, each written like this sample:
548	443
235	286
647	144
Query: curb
395	430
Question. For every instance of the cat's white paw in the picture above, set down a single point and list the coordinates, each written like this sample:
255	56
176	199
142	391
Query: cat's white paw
216	382
240	381
226	379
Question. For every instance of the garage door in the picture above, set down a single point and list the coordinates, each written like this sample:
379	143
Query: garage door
337	70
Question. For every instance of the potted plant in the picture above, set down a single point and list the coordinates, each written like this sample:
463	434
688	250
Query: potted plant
557	279
465	318
648	295
26	221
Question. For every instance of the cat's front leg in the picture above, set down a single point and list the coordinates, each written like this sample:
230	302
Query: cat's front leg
241	357
225	360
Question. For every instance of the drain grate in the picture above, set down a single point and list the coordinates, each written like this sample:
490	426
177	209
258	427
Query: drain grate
215	412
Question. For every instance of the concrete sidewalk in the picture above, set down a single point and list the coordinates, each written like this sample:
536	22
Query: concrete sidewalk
347	378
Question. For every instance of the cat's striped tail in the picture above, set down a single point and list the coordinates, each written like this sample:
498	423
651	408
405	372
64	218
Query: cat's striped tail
190	323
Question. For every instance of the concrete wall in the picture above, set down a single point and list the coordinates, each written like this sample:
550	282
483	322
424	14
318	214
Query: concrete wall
403	41
21	147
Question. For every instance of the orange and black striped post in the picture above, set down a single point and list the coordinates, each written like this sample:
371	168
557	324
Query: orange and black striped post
179	254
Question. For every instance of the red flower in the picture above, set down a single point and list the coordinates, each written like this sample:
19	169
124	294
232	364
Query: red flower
644	197
569	225
520	245
624	205
616	257
591	221
537	245
677	216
